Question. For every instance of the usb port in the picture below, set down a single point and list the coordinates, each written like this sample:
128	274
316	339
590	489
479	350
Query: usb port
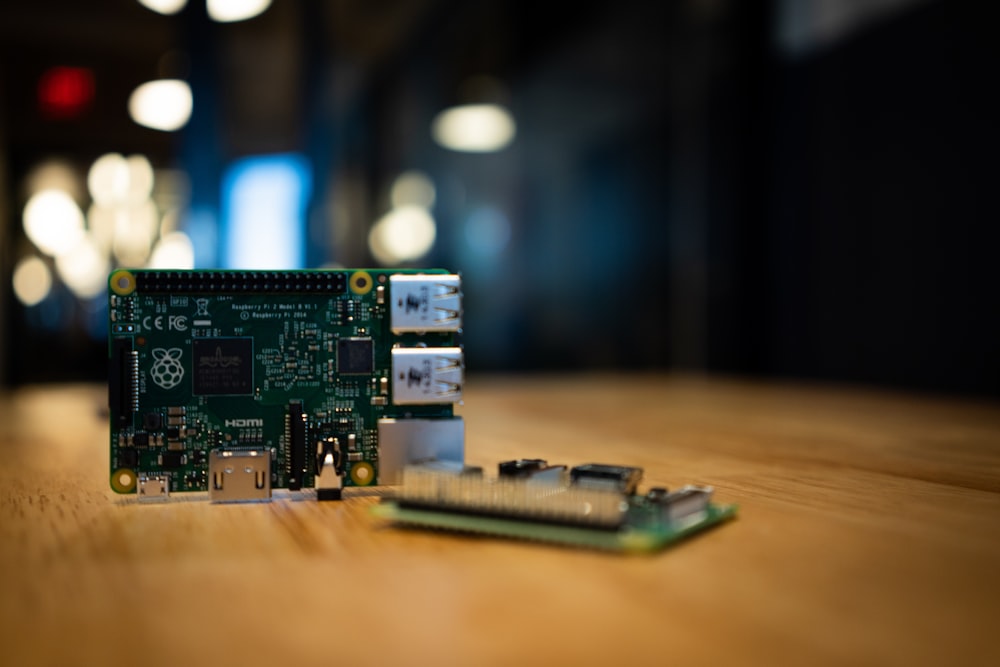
427	375
151	488
425	302
239	475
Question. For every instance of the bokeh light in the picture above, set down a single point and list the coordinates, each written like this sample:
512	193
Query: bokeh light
474	128
84	268
55	174
123	219
165	7
403	234
101	223
228	11
65	92
201	226
161	105
171	189
140	178
135	229
108	179
264	203
173	251
32	280
53	221
413	188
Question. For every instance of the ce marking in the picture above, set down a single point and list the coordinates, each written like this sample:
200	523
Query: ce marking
162	323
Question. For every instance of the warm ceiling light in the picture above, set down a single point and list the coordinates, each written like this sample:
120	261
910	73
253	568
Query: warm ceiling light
162	105
54	174
140	178
107	179
84	269
32	280
53	221
102	223
166	7
135	229
474	128
403	234
228	11
173	251
413	188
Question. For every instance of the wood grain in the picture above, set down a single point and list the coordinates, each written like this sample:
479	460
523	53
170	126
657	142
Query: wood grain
869	533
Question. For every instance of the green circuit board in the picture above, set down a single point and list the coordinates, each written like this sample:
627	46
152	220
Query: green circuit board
240	382
595	506
636	539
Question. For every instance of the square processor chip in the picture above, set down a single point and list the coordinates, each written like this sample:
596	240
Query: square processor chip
222	366
355	356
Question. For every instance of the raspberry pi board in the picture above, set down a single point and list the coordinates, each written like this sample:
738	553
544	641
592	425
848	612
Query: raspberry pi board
593	506
241	382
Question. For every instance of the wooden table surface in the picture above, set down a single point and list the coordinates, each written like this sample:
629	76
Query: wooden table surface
869	533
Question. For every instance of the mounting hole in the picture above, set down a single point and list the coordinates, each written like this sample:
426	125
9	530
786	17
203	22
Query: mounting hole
362	473
122	282
123	480
361	282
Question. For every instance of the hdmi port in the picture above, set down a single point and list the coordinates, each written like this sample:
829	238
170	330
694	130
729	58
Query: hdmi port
239	475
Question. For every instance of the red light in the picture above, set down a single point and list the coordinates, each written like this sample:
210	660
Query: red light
65	92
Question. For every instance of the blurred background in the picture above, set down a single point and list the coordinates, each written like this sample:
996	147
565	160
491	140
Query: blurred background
793	188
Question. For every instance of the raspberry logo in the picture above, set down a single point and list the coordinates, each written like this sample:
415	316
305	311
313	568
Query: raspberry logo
167	371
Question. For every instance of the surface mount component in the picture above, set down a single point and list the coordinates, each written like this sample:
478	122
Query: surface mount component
601	476
570	509
239	383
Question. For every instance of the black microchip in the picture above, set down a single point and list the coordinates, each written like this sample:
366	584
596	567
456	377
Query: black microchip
128	458
355	356
521	467
172	459
153	421
140	440
222	366
173	433
619	478
657	494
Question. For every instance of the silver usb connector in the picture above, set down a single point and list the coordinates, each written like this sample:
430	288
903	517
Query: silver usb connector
425	302
427	375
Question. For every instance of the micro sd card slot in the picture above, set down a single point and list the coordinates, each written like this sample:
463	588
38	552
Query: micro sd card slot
123	381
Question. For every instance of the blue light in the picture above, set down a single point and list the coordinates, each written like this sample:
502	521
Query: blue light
202	228
264	202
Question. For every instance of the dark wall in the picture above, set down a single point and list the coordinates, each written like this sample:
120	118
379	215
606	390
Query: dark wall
882	215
